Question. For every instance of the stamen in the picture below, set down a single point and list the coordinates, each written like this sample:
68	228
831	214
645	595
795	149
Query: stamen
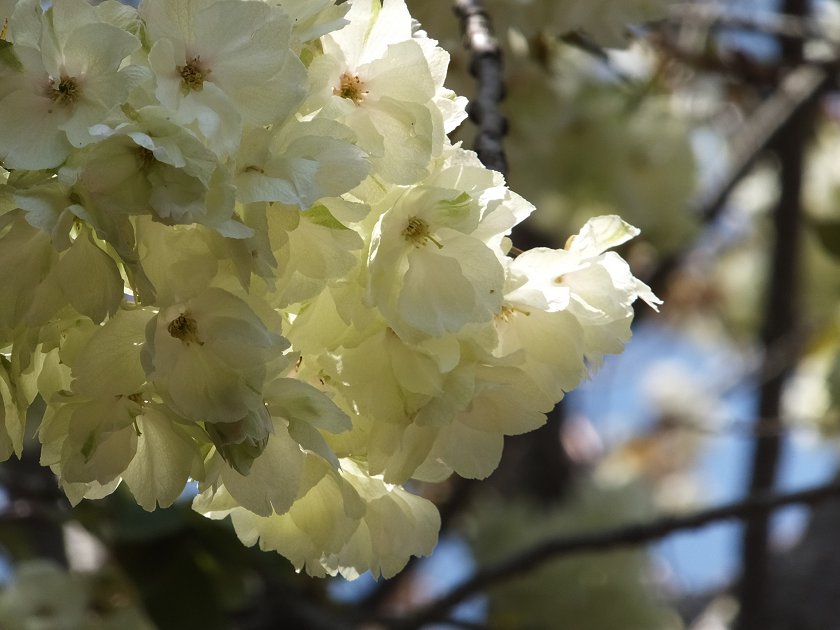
67	91
507	312
184	328
192	75
351	87
417	232
147	157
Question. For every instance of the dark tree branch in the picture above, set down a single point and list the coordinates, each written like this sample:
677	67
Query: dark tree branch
599	542
486	67
780	319
808	572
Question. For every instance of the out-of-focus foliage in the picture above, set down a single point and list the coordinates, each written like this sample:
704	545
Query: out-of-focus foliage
43	596
607	22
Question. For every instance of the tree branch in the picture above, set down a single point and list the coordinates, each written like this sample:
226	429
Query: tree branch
780	318
762	128
800	87
598	542
486	67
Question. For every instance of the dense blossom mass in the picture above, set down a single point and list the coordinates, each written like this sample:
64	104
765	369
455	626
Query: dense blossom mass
237	247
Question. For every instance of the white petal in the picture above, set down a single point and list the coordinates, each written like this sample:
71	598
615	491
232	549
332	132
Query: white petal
273	482
165	457
600	234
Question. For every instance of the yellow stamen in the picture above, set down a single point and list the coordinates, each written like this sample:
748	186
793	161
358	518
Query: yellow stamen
192	75
507	313
417	232
351	87
67	91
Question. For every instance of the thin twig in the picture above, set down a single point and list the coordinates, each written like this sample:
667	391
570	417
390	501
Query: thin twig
486	67
599	542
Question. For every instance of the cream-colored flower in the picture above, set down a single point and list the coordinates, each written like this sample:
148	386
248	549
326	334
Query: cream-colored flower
208	357
70	82
223	64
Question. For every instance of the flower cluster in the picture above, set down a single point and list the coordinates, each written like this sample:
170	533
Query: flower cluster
237	247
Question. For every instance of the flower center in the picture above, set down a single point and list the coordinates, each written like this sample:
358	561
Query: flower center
351	87
417	233
137	397
507	312
192	75
147	158
66	92
4	30
184	328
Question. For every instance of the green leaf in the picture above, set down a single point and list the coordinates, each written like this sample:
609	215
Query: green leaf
320	215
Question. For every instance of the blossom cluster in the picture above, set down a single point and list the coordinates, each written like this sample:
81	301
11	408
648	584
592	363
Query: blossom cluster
237	247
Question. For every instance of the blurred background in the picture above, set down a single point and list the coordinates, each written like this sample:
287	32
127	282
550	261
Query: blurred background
711	126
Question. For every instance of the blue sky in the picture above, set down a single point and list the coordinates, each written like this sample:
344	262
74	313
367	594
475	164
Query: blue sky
615	401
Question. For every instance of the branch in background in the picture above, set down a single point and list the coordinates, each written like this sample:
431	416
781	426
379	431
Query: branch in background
762	128
710	15
598	542
486	67
798	89
808	572
780	317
